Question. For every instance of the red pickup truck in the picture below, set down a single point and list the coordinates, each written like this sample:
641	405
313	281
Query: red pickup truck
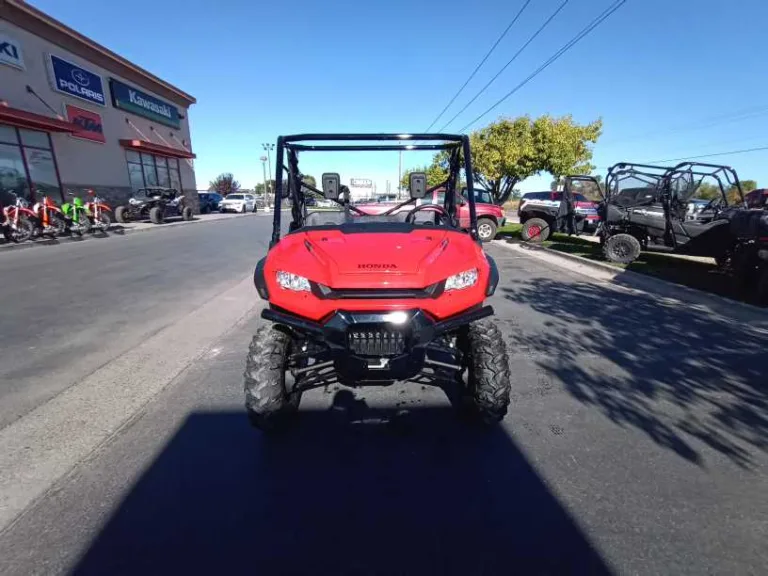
489	215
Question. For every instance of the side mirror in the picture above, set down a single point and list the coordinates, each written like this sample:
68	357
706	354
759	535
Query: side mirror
331	185
417	185
286	192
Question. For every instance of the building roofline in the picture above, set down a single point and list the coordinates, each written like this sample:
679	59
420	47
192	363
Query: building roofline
20	13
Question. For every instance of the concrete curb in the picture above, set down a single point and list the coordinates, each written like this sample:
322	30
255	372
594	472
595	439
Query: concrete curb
720	305
121	232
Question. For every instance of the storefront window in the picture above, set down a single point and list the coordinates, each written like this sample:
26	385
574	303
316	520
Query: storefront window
13	178
162	172
42	172
146	170
150	176
8	134
173	164
135	175
34	138
27	168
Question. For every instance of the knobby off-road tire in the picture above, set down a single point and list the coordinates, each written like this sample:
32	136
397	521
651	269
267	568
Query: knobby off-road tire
536	230
120	214
485	397
268	403
83	223
103	222
186	213
23	232
621	248
156	215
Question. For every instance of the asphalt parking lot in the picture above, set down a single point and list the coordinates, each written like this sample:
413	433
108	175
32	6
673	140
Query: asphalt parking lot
635	442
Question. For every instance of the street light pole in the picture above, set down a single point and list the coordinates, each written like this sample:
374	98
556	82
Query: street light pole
268	148
266	185
399	173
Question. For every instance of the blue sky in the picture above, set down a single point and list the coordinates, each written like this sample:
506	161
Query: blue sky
670	78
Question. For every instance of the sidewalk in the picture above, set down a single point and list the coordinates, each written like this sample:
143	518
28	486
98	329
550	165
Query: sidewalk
122	229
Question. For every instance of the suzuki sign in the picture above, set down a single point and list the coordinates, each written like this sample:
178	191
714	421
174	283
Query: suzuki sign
10	52
76	81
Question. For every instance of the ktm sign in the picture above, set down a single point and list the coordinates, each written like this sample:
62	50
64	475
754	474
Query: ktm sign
91	127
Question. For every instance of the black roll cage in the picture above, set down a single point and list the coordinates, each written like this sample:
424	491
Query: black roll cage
662	178
652	175
287	159
725	176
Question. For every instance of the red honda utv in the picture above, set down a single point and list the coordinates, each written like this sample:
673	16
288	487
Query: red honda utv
361	299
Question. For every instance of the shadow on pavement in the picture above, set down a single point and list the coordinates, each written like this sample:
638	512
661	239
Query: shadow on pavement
348	491
686	374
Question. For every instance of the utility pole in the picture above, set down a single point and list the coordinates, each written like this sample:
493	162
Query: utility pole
266	185
399	173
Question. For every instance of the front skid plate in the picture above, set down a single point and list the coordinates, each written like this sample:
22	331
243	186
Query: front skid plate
358	348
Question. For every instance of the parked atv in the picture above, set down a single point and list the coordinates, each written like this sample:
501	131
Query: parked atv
155	204
351	298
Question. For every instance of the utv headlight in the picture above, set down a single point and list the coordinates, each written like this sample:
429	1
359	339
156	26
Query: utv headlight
462	280
291	281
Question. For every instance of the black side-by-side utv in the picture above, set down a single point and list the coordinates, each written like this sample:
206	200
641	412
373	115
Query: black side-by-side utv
651	206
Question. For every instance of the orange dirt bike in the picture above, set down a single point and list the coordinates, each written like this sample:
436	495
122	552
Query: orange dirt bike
49	218
98	212
18	220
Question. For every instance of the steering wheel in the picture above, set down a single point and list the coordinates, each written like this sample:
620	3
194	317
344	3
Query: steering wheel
714	204
433	207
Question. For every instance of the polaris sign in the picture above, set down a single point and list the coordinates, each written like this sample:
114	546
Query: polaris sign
73	80
140	103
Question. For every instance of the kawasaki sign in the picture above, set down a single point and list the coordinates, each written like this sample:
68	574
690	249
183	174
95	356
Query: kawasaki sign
140	103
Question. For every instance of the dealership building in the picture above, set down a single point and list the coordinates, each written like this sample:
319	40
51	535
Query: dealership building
75	116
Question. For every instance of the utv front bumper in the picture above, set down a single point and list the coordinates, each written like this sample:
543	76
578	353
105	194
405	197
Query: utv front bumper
381	346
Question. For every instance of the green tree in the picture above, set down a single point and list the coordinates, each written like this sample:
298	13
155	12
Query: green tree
436	172
508	151
748	185
224	184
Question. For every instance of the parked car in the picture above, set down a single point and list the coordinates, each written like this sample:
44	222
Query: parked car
489	215
757	198
238	202
209	201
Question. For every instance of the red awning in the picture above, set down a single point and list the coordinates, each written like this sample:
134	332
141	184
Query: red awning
25	119
152	148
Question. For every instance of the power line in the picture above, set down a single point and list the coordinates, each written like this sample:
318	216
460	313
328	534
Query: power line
512	23
743	151
531	39
594	24
747	114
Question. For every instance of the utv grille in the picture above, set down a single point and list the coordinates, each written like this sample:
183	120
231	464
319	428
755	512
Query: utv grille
376	342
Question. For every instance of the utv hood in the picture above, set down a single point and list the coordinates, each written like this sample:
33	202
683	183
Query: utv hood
413	259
